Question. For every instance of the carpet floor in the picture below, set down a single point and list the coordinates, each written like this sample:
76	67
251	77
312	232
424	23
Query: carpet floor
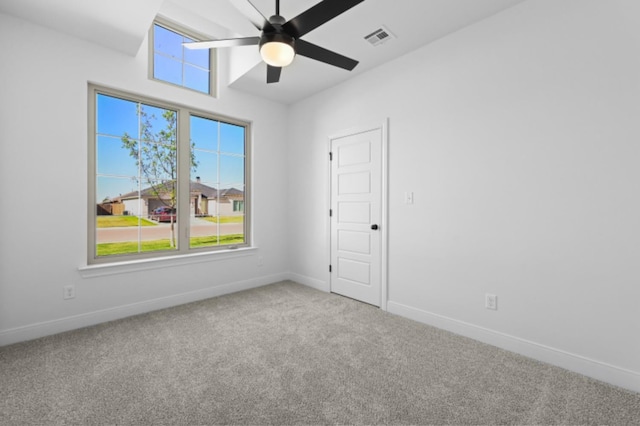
287	354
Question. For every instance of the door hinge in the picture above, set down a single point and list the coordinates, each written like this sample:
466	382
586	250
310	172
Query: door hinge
330	212
329	268
331	156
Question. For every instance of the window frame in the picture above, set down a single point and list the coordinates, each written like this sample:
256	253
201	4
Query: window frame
184	114
186	32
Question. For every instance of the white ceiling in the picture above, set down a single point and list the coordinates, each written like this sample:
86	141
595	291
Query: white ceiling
122	25
119	24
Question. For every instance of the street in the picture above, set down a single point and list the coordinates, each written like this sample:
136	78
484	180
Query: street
199	228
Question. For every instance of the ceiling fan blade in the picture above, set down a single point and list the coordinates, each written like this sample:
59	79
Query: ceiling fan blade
252	13
321	54
229	42
273	74
317	15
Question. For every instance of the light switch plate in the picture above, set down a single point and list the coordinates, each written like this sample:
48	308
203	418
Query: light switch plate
408	197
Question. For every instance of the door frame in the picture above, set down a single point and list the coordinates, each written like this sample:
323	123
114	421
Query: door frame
384	223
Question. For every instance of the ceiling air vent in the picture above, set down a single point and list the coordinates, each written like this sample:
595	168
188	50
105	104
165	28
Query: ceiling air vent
379	36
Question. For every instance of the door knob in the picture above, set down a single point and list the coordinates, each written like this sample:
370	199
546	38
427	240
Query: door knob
374	227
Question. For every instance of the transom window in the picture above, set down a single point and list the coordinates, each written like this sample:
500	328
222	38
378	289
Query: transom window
164	179
173	63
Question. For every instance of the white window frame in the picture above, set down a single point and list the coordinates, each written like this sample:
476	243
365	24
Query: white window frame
177	28
184	178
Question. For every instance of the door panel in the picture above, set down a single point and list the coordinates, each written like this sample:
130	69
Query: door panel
353	213
354	183
354	271
357	153
354	242
356	202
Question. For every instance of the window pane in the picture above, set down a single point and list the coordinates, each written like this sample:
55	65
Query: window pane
167	42
158	124
122	223
207	168
204	133
218	221
167	69
110	188
112	159
116	116
197	57
231	138
231	171
158	161
196	78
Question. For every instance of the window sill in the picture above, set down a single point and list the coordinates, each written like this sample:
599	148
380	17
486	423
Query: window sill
100	270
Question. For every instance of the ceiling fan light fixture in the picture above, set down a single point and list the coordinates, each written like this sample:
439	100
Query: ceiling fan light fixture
278	49
281	40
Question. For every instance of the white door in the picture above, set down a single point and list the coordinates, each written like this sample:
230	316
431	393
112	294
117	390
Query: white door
356	214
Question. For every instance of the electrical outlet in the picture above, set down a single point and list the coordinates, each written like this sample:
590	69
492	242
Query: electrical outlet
69	291
491	301
260	260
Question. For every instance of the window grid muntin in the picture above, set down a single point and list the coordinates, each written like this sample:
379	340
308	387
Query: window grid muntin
183	146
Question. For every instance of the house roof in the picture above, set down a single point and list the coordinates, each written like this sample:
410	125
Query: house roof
230	192
210	192
195	187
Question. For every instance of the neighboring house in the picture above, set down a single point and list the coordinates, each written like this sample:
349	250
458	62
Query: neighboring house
208	201
110	208
205	200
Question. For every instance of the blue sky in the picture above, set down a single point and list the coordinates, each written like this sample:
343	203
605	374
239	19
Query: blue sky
218	148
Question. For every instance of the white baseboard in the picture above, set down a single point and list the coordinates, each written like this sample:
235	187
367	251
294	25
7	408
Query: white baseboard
34	331
592	368
588	367
309	282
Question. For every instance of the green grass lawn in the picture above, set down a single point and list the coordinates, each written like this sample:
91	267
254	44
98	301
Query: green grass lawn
118	221
110	249
224	219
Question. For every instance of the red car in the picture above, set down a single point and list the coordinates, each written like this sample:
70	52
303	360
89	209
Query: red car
164	214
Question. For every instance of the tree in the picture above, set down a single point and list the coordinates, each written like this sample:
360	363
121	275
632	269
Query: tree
156	154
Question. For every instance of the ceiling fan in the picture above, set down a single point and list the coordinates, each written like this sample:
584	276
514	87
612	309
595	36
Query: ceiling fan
280	39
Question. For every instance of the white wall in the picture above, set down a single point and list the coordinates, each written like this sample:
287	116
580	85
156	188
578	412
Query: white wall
519	138
43	181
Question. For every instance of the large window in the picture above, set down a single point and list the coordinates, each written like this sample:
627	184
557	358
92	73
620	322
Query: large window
171	62
164	179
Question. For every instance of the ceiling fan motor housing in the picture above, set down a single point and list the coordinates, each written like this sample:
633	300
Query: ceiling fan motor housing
277	37
277	20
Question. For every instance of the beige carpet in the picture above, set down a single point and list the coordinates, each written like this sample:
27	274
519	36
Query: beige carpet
287	354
